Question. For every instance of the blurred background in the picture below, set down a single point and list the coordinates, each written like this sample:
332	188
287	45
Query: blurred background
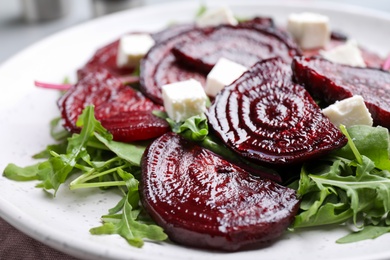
23	22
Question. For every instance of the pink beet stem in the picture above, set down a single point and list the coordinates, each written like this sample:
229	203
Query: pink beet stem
52	86
386	65
129	79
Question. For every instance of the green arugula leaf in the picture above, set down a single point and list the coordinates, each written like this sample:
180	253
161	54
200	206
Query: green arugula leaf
129	152
194	128
16	173
126	224
349	184
369	232
372	142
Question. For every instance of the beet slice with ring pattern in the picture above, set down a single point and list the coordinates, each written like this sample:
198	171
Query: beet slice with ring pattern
202	200
330	82
105	57
266	117
123	111
244	44
159	67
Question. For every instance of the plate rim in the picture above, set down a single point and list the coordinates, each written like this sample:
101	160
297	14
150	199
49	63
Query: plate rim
19	219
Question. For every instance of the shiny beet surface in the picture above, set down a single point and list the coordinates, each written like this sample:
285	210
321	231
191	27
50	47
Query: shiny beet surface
126	113
243	44
159	67
105	57
201	200
266	117
171	31
331	82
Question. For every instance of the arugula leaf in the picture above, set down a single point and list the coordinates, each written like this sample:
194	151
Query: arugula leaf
129	152
372	142
352	183
194	128
17	173
369	232
57	131
126	224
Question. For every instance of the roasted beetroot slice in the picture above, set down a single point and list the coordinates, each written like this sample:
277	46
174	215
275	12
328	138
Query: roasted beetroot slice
135	125
201	200
126	113
331	82
243	44
171	31
261	21
372	60
105	57
265	117
159	67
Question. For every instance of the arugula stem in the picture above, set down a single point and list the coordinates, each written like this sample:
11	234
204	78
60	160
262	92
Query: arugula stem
351	144
90	175
97	184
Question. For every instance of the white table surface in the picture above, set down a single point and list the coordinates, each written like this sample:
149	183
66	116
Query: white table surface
16	34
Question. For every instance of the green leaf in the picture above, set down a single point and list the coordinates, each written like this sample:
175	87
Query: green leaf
16	173
348	184
57	131
369	232
127	151
372	142
194	128
129	228
57	148
201	10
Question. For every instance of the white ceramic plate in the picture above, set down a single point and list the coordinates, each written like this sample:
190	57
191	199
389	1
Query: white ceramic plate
63	222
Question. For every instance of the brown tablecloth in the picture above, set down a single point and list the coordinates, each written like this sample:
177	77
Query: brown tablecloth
16	245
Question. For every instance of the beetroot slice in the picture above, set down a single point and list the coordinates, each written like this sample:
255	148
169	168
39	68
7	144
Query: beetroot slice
331	82
105	57
261	21
201	200
126	113
372	59
243	44
266	117
159	67
171	31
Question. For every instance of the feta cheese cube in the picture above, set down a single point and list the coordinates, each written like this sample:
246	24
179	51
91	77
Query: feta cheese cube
310	30
347	54
350	111
184	99
214	17
132	48
223	73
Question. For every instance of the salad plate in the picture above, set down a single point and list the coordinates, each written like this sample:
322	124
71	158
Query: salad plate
63	221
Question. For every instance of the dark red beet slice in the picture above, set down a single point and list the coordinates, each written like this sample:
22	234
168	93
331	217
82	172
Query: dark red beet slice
371	59
126	113
259	21
330	82
243	44
266	117
159	67
105	57
172	31
201	200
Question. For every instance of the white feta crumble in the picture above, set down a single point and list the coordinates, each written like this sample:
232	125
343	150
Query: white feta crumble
223	73
350	111
184	99
214	17
347	54
132	48
310	30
